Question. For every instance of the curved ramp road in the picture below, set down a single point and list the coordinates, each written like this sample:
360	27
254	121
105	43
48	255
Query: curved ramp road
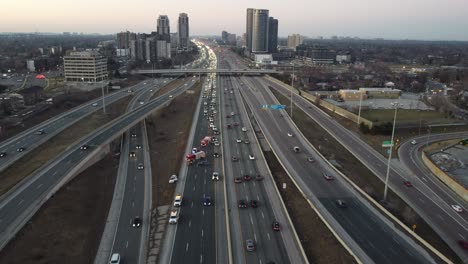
31	138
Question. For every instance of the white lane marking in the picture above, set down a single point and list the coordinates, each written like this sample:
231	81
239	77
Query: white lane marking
195	176
421	200
251	220
134	178
186	247
54	173
194	187
20	202
268	234
126	245
440	217
203	211
258	197
396	241
133	204
190	223
202	232
255	237
254	184
424	179
204	181
263	216
191	206
39	186
461	236
201	258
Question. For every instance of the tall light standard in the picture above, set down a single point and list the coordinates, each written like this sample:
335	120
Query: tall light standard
359	112
396	105
292	90
103	101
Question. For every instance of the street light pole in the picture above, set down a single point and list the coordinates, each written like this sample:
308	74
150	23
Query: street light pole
103	101
292	85
391	150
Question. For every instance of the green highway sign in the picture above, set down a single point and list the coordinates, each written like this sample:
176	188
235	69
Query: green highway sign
387	144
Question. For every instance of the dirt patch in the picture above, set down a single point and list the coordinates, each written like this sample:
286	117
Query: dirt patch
437	146
168	142
171	86
318	242
364	178
53	147
68	228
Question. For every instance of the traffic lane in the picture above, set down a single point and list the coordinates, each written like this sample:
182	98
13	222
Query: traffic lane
128	238
192	219
371	239
236	233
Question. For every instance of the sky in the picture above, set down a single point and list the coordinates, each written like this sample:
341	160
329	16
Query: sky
389	19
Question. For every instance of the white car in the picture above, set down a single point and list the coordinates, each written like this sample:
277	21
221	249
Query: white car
215	176
289	135
216	143
95	104
413	142
251	157
173	179
170	96
244	129
457	208
239	140
115	259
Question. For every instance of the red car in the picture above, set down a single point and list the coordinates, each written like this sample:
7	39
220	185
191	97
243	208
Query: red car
254	203
238	180
407	183
247	177
276	226
463	244
259	177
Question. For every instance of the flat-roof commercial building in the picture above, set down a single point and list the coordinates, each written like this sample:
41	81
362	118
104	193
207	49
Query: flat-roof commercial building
368	93
85	66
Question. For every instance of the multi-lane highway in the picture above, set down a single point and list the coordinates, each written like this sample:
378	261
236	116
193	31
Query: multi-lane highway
32	138
17	207
370	235
428	202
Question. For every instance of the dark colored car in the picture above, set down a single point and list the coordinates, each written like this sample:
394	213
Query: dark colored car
238	180
207	200
138	146
216	155
133	135
21	149
136	221
132	154
235	158
254	203
327	176
259	177
242	204
275	226
247	177
84	147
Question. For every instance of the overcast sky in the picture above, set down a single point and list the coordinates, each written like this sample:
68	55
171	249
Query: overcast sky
390	19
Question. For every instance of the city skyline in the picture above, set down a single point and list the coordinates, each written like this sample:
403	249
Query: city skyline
417	19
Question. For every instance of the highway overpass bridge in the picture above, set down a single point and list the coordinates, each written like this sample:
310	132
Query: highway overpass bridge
205	71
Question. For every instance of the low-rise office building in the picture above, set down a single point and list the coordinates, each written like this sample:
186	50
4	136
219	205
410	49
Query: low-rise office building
85	66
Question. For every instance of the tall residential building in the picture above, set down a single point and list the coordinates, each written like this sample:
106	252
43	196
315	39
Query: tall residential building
295	40
248	29
183	31
123	40
163	27
85	66
272	35
260	31
163	38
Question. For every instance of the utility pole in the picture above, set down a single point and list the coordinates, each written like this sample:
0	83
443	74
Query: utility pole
103	100
396	105
292	90
359	112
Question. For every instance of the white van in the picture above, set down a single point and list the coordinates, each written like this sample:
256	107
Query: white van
174	217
